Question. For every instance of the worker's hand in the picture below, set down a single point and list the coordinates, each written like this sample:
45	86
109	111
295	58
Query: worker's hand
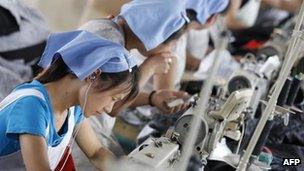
161	98
161	63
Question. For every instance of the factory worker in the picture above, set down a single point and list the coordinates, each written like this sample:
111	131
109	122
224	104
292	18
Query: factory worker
202	14
199	12
84	75
152	27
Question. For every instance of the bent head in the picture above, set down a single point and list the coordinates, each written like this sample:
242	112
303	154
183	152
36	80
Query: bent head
150	25
97	72
100	91
194	22
203	13
166	46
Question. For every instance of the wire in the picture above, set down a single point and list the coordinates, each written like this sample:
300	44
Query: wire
71	143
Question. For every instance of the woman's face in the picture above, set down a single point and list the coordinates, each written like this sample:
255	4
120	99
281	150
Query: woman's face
99	102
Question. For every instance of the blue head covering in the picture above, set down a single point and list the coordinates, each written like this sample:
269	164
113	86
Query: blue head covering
206	8
84	53
154	21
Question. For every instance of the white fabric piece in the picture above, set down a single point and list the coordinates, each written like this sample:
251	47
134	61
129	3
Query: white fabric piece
227	63
197	43
249	12
180	51
220	151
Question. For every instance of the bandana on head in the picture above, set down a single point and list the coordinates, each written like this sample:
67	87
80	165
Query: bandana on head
84	53
154	21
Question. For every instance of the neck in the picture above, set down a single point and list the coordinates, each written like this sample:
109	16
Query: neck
63	94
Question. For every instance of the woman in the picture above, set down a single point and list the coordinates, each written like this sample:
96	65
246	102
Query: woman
38	120
152	27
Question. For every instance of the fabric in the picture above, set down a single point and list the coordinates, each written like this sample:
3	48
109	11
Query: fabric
198	42
154	21
17	118
67	162
180	51
268	19
248	13
206	8
84	53
227	63
32	27
8	22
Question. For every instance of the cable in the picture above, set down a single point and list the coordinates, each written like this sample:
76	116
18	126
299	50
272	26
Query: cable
71	143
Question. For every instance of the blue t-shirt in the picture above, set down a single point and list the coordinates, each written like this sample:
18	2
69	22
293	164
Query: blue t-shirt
30	115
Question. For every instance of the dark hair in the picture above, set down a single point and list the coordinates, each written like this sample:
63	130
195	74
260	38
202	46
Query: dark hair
192	15
127	81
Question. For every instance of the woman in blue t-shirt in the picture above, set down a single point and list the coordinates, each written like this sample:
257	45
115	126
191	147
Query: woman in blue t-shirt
84	75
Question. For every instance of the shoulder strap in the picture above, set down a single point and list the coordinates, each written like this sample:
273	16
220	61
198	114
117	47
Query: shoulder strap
19	94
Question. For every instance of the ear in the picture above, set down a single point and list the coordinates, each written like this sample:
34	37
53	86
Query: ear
94	76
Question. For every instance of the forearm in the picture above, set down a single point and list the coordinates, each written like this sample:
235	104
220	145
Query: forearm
99	158
146	72
141	100
91	146
34	153
166	81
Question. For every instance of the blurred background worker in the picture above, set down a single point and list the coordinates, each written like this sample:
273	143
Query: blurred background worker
153	39
174	47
